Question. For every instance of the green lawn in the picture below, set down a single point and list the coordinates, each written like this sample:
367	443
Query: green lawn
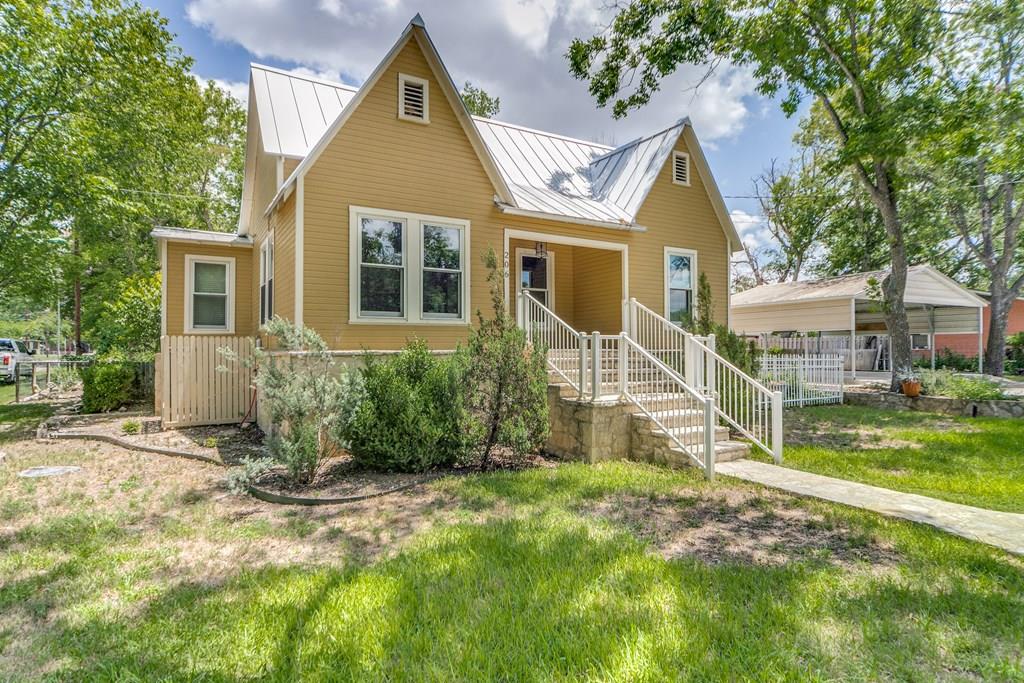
975	461
6	392
141	569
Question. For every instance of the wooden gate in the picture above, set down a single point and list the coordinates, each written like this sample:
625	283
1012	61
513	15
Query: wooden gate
197	385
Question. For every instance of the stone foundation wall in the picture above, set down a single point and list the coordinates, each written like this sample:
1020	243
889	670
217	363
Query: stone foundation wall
590	432
935	404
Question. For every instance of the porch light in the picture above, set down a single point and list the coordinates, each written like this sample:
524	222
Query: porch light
541	248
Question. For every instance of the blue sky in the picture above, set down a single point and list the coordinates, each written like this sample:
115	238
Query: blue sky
516	53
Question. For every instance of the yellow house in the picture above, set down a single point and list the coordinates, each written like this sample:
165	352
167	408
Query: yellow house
367	215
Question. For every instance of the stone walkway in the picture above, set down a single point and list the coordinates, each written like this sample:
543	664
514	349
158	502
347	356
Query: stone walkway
1001	529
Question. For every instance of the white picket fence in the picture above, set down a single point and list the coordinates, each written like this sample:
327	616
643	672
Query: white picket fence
812	379
191	390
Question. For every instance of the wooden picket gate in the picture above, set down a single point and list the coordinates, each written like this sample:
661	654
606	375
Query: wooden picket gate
191	390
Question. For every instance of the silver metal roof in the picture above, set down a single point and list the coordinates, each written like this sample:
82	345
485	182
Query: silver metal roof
545	172
925	285
295	110
205	236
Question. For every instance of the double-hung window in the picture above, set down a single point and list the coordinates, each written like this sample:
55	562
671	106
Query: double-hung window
381	267
680	273
267	280
209	302
407	268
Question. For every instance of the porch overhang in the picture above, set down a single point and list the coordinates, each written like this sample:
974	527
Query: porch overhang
529	213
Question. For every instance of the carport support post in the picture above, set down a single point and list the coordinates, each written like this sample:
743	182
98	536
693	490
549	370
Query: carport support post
931	333
853	338
981	340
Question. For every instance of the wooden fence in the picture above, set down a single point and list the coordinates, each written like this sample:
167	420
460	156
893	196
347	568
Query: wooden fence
804	380
198	385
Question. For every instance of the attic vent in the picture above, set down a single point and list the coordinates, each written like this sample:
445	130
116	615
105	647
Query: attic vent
413	99
680	168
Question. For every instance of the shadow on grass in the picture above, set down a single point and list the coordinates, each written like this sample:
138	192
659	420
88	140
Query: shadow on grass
19	421
548	596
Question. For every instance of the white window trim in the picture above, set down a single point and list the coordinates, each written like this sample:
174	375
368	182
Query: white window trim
550	256
402	80
266	255
689	169
190	261
694	274
412	245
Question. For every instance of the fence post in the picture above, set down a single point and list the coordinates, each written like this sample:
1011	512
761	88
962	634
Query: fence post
777	427
632	318
800	383
17	383
690	360
521	313
595	365
581	339
623	367
709	438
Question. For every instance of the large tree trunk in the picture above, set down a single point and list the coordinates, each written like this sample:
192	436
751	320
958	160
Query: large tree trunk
895	283
1000	302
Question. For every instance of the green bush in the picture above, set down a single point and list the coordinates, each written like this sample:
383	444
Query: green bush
413	416
131	427
131	321
107	386
507	381
309	397
946	383
947	359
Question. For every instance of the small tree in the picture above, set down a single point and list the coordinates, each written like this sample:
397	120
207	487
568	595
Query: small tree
131	322
310	398
734	348
506	379
478	102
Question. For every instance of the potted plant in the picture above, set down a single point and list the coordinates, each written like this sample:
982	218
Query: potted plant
911	386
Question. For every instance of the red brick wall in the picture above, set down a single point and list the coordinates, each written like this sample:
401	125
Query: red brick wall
967	344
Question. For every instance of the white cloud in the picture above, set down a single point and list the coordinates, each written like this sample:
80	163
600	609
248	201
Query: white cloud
753	228
516	52
237	89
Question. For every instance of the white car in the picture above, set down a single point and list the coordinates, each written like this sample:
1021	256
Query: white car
11	353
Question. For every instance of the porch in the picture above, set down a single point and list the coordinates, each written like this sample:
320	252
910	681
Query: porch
583	281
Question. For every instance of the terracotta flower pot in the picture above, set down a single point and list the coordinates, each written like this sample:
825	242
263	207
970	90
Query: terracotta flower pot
911	388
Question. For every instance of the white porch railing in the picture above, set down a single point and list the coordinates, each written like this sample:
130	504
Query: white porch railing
566	348
804	380
751	408
687	417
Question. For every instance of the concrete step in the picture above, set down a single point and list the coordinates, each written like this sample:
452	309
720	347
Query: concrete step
725	451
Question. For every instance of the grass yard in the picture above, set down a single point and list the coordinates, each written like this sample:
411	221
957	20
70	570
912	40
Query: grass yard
6	392
143	568
974	461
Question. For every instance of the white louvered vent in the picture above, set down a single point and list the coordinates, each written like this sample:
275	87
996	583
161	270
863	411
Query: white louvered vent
680	168
413	99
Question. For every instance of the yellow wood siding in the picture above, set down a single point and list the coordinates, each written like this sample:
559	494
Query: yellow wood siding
379	161
678	216
284	259
175	275
598	290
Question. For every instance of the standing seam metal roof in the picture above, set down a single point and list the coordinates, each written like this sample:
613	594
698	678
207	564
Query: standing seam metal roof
545	172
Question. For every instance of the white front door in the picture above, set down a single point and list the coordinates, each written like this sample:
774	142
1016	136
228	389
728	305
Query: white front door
537	275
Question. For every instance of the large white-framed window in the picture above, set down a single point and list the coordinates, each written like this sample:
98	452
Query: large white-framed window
267	279
536	275
680	284
407	268
209	294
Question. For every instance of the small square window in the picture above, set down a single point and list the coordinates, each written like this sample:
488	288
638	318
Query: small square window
210	294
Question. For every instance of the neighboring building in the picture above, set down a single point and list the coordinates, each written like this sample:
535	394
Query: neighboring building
843	314
367	214
967	344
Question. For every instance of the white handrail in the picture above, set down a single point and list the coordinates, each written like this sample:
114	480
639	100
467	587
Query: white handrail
684	415
565	348
751	408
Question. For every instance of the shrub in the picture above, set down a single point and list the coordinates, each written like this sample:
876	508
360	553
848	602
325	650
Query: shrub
413	416
739	351
947	359
65	378
210	442
245	475
131	427
107	386
507	380
309	397
945	383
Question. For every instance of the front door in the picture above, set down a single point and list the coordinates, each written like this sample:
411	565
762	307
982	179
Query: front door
537	275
